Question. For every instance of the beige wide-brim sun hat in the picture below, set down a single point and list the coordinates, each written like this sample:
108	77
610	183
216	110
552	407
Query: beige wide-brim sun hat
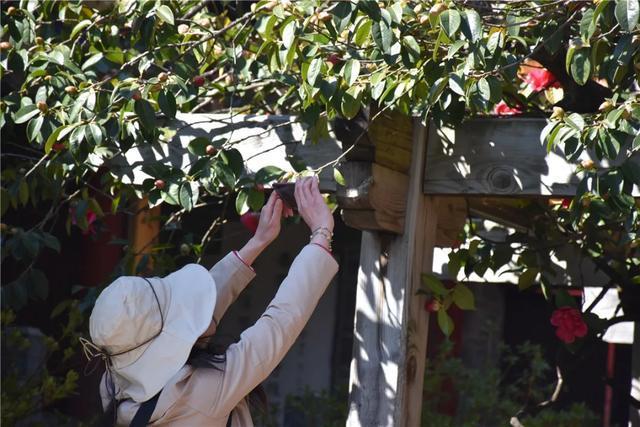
126	314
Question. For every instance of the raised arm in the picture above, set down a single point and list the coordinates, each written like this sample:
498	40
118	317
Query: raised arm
263	346
234	272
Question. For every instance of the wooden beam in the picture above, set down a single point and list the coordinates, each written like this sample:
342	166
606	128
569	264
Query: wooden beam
262	140
390	325
499	157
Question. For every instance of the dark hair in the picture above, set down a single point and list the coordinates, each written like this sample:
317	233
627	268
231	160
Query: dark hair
213	356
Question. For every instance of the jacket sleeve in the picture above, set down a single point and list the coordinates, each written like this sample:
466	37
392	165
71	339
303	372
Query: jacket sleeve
264	345
231	276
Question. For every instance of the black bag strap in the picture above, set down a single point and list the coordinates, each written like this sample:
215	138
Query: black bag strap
143	415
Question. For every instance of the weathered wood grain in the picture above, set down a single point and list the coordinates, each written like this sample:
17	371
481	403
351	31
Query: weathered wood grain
392	136
498	157
374	197
390	326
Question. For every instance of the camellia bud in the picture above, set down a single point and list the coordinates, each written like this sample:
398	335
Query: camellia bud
71	90
183	29
211	150
5	45
11	10
417	9
198	81
324	16
39	41
136	95
558	113
588	164
423	19
159	184
605	106
437	9
334	59
42	106
163	77
432	306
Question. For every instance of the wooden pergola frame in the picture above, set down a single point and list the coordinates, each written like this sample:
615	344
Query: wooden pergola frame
409	189
415	195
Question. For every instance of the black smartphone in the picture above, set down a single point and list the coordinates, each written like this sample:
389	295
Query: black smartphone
286	192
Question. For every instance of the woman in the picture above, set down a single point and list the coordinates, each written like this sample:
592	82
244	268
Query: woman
146	329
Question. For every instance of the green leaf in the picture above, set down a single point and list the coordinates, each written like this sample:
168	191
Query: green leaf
188	195
434	284
450	22
437	89
472	25
396	12
463	297
363	31
527	278
79	27
576	121
255	199
445	322
627	13
351	71
342	13
484	89
93	60
581	66
25	113
33	128
289	34
314	71
164	13
337	176
167	103
350	103
145	113
93	133
412	47
382	36
267	174
241	202
587	25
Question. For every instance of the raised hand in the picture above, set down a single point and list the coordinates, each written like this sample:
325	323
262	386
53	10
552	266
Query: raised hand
269	223
312	207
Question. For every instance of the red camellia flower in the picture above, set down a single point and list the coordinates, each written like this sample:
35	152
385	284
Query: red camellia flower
503	109
569	324
540	78
250	221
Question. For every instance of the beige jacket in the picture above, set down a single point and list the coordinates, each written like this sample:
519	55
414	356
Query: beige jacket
205	397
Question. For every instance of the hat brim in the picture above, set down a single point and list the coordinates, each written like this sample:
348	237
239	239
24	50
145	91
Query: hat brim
141	374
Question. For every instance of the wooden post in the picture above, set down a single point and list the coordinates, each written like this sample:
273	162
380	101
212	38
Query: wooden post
390	335
145	227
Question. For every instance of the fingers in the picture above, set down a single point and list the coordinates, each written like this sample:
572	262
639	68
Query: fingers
297	193
267	209
277	209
